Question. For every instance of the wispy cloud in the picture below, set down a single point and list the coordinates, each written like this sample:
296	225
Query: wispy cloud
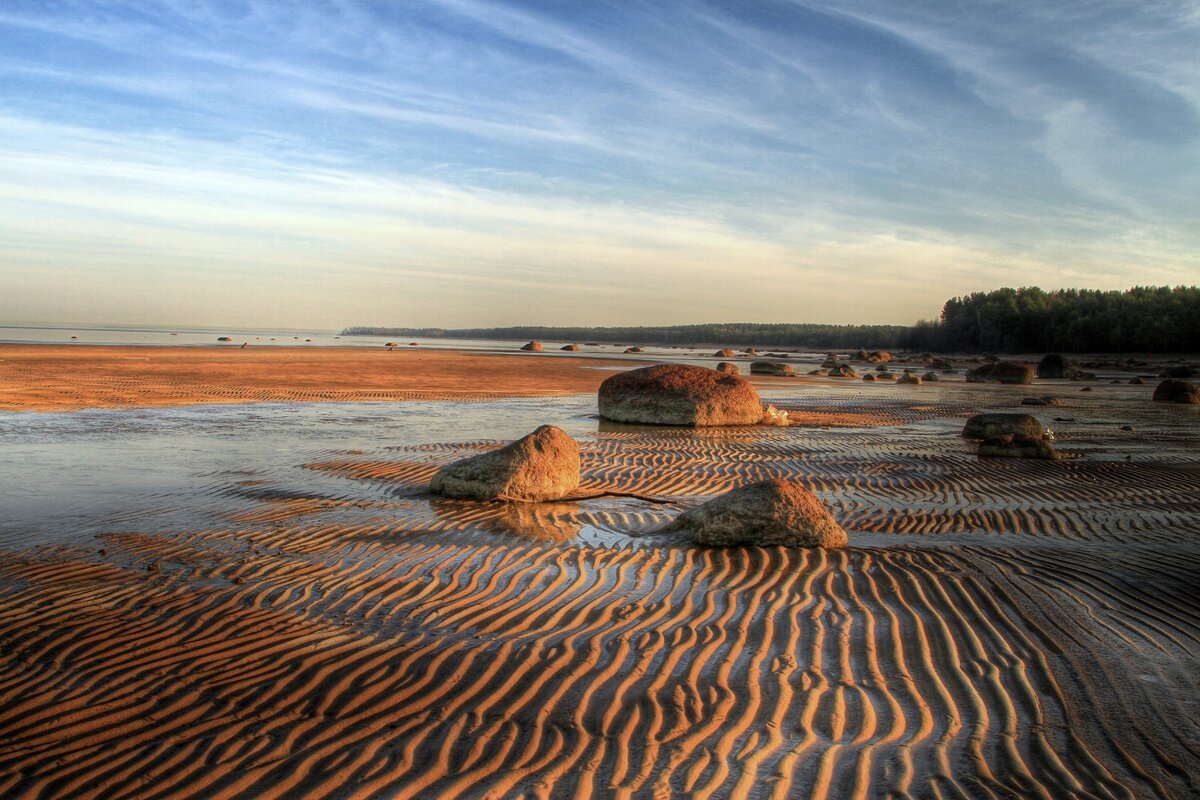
463	160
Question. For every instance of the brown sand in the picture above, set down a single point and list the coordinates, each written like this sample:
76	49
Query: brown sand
59	378
1026	629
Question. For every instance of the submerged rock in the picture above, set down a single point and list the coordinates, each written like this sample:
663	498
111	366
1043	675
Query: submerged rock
1016	446
1173	391
679	394
987	426
771	368
775	512
1001	372
541	466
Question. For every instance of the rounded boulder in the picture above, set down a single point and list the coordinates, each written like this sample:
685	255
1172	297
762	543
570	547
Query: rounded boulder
679	394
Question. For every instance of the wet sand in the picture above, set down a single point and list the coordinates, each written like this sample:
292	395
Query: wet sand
998	628
66	377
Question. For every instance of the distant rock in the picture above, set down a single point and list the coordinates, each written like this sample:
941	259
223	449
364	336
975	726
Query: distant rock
1182	371
931	376
750	351
1136	381
879	356
533	347
861	355
679	394
633	350
909	377
570	347
1173	391
728	368
885	376
843	371
725	353
987	426
541	466
771	368
1044	400
1001	372
775	512
413	344
1016	446
869	377
224	339
942	364
1054	365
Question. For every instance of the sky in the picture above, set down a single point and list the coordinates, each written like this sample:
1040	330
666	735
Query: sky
464	163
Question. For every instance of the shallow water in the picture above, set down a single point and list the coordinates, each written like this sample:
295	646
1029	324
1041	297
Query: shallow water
67	476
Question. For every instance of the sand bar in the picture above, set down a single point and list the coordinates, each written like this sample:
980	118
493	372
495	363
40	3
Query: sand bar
61	378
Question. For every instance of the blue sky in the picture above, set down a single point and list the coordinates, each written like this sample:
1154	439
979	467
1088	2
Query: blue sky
457	162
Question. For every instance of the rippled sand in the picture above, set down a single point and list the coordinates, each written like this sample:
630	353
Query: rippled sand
998	628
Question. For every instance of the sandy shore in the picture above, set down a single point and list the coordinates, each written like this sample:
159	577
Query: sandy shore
998	628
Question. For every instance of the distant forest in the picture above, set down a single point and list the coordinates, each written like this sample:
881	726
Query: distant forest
1149	319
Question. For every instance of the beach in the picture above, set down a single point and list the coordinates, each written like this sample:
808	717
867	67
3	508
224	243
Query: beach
273	605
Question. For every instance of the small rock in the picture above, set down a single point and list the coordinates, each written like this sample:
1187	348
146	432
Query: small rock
533	347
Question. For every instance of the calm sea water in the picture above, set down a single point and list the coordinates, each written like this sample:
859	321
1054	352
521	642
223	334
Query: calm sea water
153	336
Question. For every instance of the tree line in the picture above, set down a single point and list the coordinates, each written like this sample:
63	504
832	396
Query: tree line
1144	319
1149	319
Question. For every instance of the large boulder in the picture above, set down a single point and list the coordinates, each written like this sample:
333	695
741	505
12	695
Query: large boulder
541	466
1173	391
771	368
775	512
533	347
1054	365
679	394
1001	372
987	426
